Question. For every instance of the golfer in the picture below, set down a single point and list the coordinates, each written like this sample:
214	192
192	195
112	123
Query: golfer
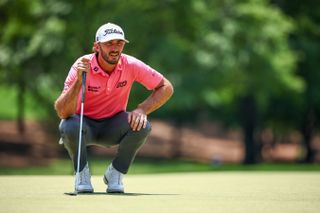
106	122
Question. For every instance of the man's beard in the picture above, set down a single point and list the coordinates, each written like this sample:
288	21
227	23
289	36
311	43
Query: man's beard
110	59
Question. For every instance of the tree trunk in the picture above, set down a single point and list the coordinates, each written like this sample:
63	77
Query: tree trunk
308	131
248	119
21	105
176	149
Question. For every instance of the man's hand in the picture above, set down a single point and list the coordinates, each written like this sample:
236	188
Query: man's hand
66	103
137	119
82	66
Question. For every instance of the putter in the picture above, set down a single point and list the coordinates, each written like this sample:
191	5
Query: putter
80	133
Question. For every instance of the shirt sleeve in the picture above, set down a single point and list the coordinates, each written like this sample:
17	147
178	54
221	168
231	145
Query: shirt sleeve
70	78
146	75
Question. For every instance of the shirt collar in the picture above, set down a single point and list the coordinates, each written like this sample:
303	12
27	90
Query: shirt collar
96	69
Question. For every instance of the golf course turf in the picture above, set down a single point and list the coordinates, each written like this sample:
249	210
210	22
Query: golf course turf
199	192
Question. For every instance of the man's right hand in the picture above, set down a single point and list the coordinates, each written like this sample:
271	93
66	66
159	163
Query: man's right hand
66	103
82	66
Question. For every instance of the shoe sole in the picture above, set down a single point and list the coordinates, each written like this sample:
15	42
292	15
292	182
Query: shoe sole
105	180
85	191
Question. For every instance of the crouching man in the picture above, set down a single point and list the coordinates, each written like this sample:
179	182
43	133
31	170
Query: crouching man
106	122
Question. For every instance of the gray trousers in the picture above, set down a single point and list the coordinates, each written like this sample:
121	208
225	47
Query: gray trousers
105	132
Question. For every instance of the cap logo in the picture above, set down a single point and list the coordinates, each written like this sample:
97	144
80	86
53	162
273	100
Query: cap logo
112	31
108	32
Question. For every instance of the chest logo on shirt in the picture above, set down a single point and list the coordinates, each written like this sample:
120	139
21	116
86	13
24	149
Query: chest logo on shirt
94	88
122	84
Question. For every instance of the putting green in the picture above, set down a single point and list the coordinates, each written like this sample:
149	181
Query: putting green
225	192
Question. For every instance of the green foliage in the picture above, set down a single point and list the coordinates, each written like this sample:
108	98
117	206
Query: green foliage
31	34
213	51
31	28
247	41
8	109
305	40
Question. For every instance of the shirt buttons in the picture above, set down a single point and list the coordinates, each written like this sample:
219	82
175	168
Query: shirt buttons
108	90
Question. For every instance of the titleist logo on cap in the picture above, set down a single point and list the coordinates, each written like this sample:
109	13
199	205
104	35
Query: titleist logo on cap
108	32
112	31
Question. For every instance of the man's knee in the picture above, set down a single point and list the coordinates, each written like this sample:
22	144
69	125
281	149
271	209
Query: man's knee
147	130
69	127
144	132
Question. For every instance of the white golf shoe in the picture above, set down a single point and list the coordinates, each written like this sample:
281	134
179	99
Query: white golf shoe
83	181
113	178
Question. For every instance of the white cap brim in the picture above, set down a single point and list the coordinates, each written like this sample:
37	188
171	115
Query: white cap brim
113	38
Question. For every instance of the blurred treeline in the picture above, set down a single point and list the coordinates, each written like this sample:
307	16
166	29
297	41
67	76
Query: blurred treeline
251	64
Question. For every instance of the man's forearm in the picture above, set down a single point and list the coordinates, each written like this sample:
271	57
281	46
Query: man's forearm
66	104
158	97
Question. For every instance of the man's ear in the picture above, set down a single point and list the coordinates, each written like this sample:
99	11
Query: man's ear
95	47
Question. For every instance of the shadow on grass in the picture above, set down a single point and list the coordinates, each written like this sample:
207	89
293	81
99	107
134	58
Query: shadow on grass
117	194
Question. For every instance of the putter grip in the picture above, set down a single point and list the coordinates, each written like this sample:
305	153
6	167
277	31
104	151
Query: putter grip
84	76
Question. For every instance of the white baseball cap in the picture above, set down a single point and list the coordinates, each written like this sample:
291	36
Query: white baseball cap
108	32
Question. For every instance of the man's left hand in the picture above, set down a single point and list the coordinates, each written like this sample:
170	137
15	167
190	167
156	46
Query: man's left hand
137	119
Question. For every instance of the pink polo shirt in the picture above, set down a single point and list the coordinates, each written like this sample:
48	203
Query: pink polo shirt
108	94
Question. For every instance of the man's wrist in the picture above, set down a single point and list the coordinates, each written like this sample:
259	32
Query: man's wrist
142	108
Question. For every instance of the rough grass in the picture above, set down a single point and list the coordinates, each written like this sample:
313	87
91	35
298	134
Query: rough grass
176	192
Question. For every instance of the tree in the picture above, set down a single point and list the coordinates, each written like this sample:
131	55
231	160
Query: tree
306	41
247	42
227	58
30	34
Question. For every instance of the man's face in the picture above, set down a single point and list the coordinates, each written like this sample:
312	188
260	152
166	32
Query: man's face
111	50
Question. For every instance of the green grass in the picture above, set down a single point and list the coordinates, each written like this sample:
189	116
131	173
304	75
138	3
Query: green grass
231	192
165	186
147	166
8	108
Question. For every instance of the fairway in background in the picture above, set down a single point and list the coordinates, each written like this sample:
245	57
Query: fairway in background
147	166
